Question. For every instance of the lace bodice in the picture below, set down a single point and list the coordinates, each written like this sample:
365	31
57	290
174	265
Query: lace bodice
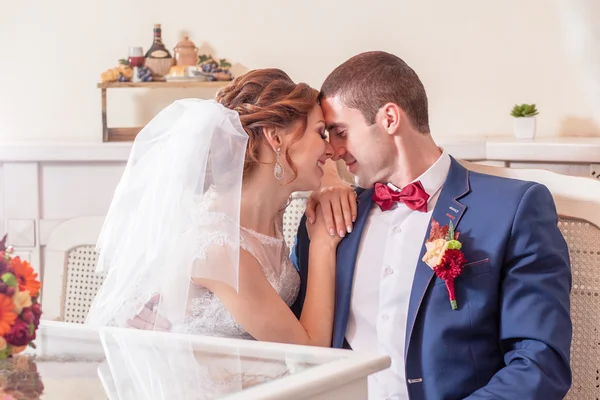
207	315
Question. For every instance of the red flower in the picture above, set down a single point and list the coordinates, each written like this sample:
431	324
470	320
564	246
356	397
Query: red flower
37	310
3	263
19	334
450	267
37	313
27	315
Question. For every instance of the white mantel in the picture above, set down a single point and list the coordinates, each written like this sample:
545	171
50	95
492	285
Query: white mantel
44	184
546	150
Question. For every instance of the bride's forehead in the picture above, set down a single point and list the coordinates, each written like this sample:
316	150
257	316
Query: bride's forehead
336	112
317	110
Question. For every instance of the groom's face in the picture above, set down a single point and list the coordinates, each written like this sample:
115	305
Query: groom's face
361	146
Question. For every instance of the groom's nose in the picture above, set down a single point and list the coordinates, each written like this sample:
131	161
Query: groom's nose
338	152
329	150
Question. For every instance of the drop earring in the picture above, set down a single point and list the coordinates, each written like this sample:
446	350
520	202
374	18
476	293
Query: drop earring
278	170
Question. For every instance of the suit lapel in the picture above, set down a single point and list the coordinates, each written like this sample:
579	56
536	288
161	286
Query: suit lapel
448	208
346	261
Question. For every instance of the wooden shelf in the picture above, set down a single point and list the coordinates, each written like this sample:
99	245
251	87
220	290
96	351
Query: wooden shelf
129	134
163	85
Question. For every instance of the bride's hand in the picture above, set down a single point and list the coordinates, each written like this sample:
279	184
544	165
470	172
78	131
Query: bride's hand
338	208
148	319
318	232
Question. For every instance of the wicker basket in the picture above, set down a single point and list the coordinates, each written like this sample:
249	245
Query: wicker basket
159	66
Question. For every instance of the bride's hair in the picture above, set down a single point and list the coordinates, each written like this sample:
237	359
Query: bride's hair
268	98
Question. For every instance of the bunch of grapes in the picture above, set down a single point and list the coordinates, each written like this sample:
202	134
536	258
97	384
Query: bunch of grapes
144	74
215	70
211	67
122	78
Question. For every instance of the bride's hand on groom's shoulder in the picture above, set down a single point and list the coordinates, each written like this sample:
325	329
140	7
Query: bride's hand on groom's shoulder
148	318
338	209
319	234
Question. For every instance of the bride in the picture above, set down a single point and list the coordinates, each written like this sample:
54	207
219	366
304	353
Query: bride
195	226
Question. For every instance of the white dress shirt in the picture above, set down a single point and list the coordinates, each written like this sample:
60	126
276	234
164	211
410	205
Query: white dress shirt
385	266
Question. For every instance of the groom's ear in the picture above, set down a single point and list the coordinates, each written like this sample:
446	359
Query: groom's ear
273	137
390	117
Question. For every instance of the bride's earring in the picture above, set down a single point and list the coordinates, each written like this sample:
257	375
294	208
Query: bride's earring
278	170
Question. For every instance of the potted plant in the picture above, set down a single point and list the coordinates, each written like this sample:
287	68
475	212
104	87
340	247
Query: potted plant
524	120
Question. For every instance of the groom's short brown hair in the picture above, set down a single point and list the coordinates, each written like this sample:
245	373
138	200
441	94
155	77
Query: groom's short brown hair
369	80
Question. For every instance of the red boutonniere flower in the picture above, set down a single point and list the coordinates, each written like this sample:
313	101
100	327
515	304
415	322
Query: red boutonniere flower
443	255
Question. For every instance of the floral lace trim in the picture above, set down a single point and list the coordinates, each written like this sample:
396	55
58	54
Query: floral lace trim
264	239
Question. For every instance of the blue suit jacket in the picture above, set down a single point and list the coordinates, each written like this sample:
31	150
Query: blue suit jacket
510	337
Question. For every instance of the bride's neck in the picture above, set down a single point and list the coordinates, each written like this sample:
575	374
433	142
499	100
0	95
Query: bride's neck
263	197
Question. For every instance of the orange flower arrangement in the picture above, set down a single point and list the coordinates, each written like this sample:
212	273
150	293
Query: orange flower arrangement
20	311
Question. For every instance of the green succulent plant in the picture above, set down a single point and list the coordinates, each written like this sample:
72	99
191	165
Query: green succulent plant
524	110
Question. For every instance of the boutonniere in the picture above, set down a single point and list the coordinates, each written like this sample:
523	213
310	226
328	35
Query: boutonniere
444	256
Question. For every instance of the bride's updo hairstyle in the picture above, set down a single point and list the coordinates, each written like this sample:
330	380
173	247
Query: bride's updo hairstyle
268	98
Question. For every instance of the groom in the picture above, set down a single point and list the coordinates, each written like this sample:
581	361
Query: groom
510	334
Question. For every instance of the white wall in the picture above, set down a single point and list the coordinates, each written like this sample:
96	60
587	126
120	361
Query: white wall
477	58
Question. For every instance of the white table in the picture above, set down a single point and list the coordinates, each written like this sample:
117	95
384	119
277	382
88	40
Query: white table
78	362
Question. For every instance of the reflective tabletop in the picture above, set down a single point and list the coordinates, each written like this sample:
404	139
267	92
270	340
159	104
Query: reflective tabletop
74	361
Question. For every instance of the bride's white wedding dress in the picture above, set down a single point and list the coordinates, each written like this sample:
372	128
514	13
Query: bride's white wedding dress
202	375
175	217
206	314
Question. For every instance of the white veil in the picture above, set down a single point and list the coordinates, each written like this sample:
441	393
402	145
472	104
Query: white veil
180	190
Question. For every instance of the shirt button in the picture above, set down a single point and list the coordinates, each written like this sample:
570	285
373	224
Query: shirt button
389	271
397	229
385	317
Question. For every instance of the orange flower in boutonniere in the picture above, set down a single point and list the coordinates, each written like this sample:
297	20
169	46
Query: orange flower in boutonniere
443	255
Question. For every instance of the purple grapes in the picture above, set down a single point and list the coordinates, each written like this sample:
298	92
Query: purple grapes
211	68
144	74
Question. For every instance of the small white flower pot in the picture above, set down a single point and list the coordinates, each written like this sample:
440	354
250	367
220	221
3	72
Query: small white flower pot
524	127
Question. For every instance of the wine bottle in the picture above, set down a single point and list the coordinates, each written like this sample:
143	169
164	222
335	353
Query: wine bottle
158	49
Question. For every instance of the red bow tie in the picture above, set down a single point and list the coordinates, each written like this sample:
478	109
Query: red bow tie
413	195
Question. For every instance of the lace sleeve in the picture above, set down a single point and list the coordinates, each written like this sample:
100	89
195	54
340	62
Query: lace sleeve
217	242
218	231
217	251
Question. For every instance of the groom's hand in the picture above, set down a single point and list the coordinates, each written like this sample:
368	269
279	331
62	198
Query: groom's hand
148	319
338	206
